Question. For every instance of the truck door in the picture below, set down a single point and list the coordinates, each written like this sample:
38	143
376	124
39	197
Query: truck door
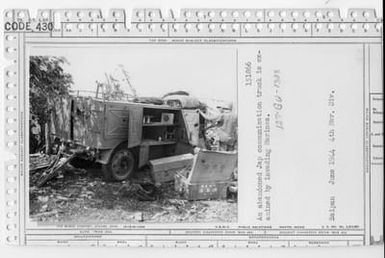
116	121
191	126
135	117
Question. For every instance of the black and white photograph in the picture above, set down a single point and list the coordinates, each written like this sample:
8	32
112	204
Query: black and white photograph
133	134
220	128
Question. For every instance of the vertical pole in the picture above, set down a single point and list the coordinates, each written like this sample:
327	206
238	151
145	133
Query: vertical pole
97	89
108	86
47	138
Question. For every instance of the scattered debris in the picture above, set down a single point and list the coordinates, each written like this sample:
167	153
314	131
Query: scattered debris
43	198
81	198
177	202
39	161
138	216
157	215
54	167
45	214
60	192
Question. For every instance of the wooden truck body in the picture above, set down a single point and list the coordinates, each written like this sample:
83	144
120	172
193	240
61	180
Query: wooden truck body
110	128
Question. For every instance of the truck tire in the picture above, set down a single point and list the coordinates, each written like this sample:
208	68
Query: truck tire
120	166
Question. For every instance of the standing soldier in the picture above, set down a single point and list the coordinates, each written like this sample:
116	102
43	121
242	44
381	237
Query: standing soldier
35	131
226	124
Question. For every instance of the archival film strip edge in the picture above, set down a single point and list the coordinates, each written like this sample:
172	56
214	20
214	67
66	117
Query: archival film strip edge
119	24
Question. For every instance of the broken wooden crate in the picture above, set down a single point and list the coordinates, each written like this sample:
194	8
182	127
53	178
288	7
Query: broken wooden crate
164	169
209	176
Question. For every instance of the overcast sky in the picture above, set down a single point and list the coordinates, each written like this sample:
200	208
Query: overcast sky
204	71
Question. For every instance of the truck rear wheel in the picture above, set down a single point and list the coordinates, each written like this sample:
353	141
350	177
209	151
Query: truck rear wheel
120	166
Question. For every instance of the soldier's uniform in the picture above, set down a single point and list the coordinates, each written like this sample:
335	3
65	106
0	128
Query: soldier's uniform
35	137
227	131
227	126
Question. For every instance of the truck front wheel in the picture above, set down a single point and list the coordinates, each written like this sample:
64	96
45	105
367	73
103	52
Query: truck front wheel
120	166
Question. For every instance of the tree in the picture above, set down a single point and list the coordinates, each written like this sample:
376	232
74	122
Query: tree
48	82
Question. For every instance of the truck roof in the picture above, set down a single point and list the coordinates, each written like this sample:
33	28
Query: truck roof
145	105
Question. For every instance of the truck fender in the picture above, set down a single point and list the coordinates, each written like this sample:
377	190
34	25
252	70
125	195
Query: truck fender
104	156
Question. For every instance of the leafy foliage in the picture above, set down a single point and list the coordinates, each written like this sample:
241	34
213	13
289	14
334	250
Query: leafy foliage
113	89
48	82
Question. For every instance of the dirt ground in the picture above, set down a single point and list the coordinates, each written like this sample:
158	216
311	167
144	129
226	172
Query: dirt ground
81	196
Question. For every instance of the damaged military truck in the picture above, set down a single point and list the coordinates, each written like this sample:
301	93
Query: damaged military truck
123	136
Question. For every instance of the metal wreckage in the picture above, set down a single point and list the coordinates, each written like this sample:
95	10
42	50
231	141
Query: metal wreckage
167	139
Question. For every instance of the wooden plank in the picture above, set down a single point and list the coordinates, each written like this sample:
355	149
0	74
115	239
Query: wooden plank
159	124
150	142
164	169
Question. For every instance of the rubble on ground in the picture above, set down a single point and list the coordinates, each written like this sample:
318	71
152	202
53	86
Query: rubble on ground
39	161
81	196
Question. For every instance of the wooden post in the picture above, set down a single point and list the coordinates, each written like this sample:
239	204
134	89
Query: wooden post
97	89
47	138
